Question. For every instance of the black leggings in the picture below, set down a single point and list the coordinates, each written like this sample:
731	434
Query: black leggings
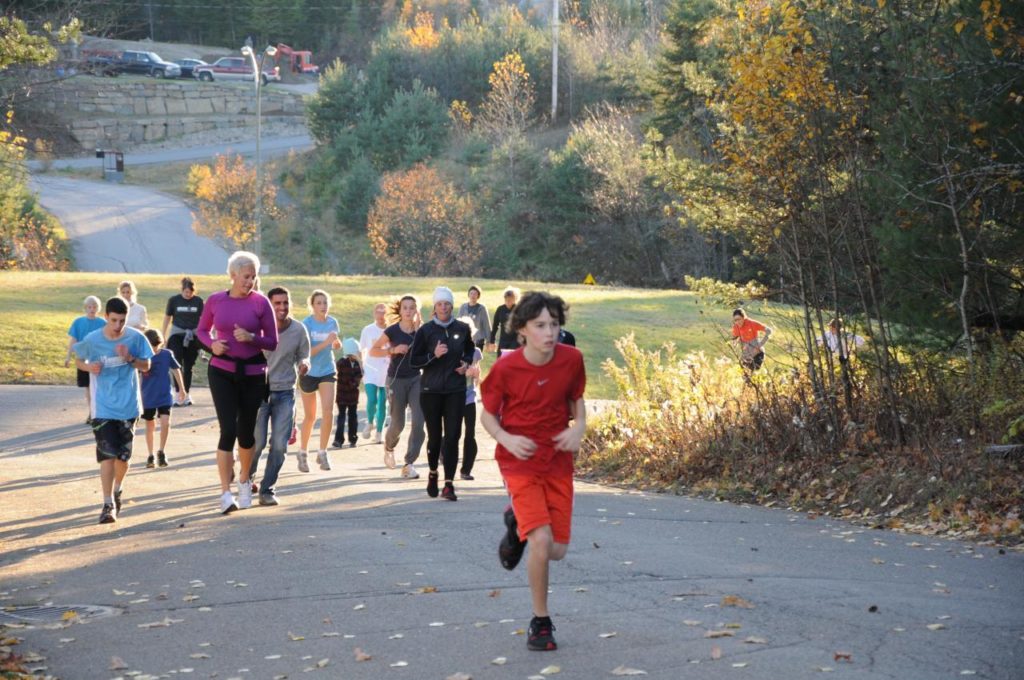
186	356
443	411
237	399
469	438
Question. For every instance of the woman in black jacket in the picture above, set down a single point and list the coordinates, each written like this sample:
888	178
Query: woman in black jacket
443	350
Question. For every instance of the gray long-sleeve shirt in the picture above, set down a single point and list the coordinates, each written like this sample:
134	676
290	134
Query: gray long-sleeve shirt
282	363
479	315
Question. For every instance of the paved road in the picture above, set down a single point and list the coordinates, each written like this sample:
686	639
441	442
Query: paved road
119	228
351	557
269	147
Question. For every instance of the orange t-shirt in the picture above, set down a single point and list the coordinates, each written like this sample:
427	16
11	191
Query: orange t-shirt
748	330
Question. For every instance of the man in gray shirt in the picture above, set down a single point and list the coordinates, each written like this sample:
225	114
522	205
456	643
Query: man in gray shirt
284	365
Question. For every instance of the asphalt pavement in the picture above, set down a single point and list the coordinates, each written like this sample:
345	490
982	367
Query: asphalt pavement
122	228
357	563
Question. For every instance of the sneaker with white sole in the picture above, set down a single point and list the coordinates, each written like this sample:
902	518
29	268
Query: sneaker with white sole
227	503
409	472
377	439
389	458
303	461
323	460
367	431
244	495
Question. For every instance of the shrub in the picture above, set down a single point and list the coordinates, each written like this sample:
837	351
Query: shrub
420	226
227	200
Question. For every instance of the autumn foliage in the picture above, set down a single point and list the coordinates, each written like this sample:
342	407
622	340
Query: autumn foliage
420	226
227	200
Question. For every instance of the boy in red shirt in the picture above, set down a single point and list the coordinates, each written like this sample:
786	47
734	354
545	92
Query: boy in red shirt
529	398
746	330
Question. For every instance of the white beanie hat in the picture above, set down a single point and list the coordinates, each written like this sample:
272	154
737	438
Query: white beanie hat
444	294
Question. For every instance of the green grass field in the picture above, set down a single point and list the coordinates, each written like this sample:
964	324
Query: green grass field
36	309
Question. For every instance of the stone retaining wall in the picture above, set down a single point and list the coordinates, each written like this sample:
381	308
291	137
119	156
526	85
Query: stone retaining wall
114	113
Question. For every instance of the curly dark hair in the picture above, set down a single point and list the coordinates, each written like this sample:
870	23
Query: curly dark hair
531	304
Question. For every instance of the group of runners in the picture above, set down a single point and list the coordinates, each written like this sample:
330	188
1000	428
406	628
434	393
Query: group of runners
532	397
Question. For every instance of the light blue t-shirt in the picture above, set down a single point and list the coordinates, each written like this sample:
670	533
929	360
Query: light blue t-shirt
323	363
115	389
83	325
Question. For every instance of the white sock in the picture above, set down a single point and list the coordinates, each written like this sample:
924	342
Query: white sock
108	500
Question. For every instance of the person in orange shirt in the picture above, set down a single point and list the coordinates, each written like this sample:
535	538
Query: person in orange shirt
746	331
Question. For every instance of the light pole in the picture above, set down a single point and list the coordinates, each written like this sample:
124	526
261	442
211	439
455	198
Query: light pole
257	79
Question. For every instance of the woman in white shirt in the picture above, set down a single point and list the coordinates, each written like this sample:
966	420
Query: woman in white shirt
137	316
375	375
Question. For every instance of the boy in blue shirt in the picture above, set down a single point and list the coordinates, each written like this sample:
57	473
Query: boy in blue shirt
156	395
113	356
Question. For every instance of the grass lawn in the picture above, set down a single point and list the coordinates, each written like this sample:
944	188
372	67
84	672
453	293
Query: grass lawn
36	309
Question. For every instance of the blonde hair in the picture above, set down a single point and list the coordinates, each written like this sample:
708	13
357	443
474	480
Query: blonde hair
468	320
240	259
92	300
131	286
314	295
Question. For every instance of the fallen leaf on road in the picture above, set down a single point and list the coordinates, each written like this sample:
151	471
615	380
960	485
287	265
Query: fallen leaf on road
824	669
199	655
70	615
190	598
936	626
330	633
494	593
736	601
712	634
499	661
322	663
625	670
691	622
733	626
741	664
361	655
550	670
426	590
459	676
843	656
965	672
359	607
271	657
756	640
608	635
295	638
716	652
117	663
396	636
400	664
436	624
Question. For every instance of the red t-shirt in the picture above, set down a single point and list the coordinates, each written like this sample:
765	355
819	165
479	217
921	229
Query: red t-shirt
535	402
748	330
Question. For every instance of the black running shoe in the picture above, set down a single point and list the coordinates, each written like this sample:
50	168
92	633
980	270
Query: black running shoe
540	637
467	477
510	549
161	459
108	515
117	499
448	492
432	484
151	462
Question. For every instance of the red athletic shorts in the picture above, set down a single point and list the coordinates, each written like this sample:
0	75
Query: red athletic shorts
540	500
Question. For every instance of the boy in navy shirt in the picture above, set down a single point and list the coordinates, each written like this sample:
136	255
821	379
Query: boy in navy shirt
156	394
113	356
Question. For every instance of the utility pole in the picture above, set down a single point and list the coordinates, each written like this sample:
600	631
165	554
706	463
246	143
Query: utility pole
554	60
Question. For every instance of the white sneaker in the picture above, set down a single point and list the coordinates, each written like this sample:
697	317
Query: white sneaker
377	439
303	462
228	503
188	400
244	495
367	431
323	461
409	472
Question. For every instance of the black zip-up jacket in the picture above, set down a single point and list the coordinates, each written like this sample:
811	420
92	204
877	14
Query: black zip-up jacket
439	376
499	328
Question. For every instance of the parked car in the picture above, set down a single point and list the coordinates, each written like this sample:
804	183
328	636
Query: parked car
101	64
148	63
235	68
188	67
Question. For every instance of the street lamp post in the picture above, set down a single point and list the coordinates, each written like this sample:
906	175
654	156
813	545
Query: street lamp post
257	78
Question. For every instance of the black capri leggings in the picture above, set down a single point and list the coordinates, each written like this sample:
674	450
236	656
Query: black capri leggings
237	399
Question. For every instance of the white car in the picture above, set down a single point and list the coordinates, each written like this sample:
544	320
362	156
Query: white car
235	68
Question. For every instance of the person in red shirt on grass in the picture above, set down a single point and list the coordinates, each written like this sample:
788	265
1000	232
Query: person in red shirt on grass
529	398
746	330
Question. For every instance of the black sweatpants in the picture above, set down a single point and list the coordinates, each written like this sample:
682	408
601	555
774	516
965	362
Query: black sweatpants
186	356
443	416
352	418
469	438
236	399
